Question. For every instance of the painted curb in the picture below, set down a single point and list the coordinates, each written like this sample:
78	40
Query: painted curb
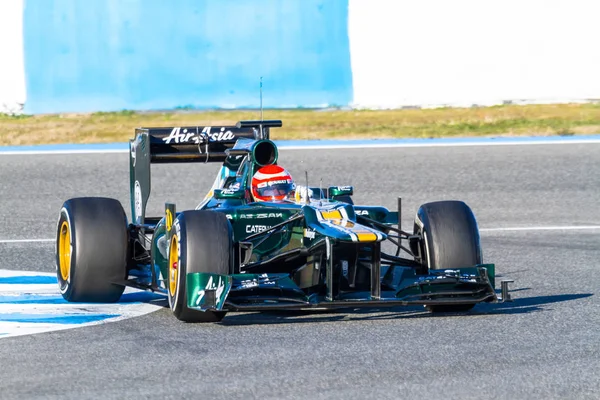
30	303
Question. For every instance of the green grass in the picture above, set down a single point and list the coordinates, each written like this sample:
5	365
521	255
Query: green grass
508	120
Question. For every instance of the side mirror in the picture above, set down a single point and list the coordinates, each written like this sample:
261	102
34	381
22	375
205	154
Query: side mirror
335	191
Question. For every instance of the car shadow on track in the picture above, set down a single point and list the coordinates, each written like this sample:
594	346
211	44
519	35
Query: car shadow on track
524	305
521	305
312	316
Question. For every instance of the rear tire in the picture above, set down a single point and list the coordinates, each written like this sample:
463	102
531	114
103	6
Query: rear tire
202	241
91	250
450	240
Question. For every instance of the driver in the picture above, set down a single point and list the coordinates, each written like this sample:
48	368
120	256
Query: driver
272	183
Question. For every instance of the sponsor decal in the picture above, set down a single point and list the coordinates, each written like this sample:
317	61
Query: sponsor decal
261	215
249	283
430	278
257	228
271	183
184	135
309	233
345	268
181	136
344	188
342	222
137	195
212	285
361	212
263	279
218	136
337	227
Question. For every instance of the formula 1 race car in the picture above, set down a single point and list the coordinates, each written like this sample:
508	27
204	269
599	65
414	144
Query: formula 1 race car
232	253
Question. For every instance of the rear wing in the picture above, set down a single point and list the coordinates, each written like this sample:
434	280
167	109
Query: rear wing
179	145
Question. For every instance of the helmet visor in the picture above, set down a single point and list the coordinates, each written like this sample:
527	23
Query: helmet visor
275	189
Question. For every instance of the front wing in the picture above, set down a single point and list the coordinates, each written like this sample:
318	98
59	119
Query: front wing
254	292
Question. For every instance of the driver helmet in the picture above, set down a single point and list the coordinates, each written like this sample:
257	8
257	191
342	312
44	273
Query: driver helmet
272	182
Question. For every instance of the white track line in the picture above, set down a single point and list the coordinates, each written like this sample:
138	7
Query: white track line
42	152
543	228
11	241
362	145
511	228
436	144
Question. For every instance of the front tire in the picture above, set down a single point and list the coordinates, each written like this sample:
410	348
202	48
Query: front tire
450	240
91	250
202	241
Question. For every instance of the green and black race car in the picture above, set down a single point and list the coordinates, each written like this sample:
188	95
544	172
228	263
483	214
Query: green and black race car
234	254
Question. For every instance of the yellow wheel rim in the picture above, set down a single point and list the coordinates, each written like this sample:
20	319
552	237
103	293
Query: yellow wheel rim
64	251
173	265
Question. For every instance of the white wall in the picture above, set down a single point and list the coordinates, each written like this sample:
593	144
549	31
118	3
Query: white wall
465	52
12	70
431	52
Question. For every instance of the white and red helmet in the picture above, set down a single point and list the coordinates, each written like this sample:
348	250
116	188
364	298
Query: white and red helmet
272	183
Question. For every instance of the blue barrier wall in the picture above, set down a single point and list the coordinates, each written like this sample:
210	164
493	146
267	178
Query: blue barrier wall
99	55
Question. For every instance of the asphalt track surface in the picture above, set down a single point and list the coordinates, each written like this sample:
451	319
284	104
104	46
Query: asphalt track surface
544	345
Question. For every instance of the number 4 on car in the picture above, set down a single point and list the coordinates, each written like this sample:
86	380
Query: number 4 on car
260	240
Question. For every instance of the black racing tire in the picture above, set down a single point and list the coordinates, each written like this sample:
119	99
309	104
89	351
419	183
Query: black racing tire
450	240
204	243
91	250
